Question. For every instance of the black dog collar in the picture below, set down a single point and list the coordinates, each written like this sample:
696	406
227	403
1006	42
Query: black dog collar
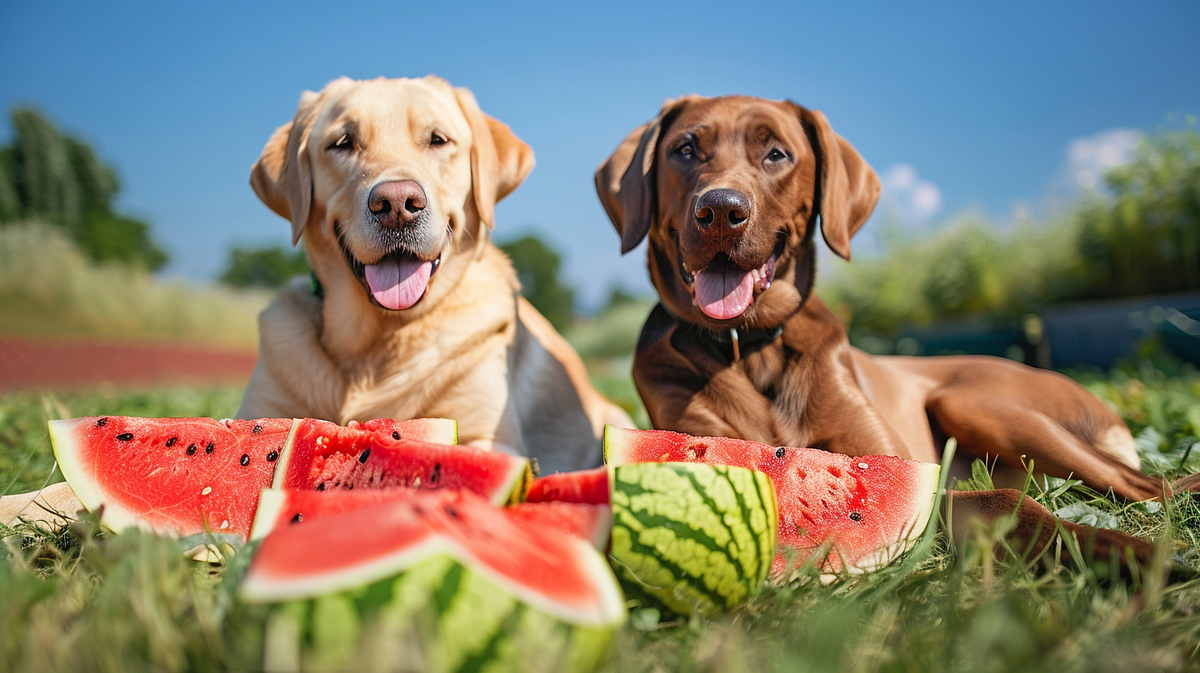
744	340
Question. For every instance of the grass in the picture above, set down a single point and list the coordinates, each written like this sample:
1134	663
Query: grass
77	600
48	288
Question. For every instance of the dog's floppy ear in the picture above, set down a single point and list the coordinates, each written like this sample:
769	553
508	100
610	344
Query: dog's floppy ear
282	176
848	188
625	181
500	161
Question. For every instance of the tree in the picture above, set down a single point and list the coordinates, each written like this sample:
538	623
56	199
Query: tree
537	266
49	176
263	267
1146	240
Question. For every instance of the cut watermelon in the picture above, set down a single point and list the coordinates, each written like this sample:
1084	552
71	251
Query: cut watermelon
869	509
177	476
428	430
186	476
480	586
695	539
328	456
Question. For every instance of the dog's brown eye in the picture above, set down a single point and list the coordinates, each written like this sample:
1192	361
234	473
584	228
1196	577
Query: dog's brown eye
344	142
686	151
438	139
776	155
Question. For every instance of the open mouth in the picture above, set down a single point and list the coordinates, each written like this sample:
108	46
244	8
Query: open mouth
722	290
397	281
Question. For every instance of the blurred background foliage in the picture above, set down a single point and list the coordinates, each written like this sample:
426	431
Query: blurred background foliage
49	176
1140	238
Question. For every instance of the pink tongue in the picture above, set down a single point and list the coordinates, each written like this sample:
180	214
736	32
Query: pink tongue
398	283
723	290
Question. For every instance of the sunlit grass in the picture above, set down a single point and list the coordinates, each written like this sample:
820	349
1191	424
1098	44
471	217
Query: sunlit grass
75	600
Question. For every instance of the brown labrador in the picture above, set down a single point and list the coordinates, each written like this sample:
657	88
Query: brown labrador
729	192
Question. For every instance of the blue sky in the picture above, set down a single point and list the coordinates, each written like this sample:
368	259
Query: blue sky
959	106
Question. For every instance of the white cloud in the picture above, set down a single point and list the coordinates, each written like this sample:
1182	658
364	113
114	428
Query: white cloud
907	198
1089	159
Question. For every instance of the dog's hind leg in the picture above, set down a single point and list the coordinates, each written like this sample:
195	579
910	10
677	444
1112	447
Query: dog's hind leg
985	424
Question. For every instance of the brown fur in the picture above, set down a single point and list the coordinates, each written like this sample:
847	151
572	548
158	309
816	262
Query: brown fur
470	349
808	386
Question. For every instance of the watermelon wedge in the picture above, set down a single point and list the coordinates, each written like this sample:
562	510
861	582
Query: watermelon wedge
868	509
481	588
325	455
176	476
187	476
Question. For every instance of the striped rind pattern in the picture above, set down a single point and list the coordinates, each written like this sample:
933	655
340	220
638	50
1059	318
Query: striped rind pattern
697	538
438	616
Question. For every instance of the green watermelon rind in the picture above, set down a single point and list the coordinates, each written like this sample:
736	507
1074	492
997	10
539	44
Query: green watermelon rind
477	626
674	555
114	516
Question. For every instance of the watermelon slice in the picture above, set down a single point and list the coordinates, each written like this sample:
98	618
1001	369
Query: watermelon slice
558	574
326	455
868	509
187	476
178	476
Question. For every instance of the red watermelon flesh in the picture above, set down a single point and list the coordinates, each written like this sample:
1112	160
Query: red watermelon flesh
559	574
869	509
430	430
177	476
592	522
583	486
324	456
278	508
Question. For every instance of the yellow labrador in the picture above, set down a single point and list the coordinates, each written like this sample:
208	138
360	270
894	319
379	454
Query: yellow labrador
391	186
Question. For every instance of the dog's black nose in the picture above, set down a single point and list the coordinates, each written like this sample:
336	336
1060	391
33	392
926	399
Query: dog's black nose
396	203
727	206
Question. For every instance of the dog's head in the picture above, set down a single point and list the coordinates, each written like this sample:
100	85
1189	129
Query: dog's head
728	191
390	183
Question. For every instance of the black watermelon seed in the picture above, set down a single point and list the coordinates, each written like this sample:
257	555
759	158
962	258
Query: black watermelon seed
362	457
451	511
272	456
102	422
855	516
298	518
321	486
209	448
245	459
779	452
436	474
125	436
171	442
191	450
257	428
395	434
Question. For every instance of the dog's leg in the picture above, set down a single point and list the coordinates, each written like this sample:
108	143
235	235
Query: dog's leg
1035	528
985	424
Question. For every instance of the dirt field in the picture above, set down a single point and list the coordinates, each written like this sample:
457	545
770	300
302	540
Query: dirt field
29	364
